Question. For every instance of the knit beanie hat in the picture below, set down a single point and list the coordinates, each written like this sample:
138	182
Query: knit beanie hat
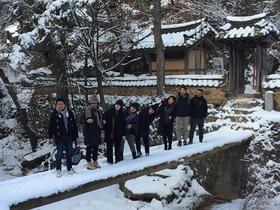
93	99
119	102
135	105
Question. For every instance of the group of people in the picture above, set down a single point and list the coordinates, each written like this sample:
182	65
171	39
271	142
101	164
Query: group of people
120	124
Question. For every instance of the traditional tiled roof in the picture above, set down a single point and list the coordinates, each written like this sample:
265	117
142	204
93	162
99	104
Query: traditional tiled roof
247	27
143	81
272	81
184	34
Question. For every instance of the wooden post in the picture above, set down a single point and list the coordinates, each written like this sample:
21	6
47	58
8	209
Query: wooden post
232	70
240	71
186	59
259	66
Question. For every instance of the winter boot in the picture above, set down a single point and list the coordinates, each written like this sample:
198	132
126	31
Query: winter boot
90	166
134	155
139	154
190	142
185	143
58	173
179	143
95	164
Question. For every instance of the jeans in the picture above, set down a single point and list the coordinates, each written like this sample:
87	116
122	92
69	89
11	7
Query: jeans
67	143
194	122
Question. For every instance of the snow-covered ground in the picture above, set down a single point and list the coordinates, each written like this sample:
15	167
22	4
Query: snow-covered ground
45	183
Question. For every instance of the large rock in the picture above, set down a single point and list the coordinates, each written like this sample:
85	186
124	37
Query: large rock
166	184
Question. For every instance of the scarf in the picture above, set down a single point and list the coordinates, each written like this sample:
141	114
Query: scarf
65	115
130	117
89	111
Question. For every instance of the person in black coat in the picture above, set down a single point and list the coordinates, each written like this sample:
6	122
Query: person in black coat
92	120
198	113
146	117
131	117
63	130
167	116
115	127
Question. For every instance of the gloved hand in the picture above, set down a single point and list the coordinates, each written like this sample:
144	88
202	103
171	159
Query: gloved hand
123	138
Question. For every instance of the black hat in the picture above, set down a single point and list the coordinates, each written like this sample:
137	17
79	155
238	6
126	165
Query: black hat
154	107
119	102
135	105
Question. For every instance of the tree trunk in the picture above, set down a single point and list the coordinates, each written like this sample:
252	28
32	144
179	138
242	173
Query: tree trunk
22	112
100	90
159	48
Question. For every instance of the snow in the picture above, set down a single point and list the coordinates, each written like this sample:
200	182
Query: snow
265	27
177	38
20	189
246	18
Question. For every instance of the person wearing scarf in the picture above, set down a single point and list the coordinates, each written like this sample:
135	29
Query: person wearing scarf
131	116
63	131
92	119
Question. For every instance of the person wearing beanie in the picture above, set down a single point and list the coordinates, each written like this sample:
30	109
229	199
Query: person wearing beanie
115	128
131	116
63	131
146	117
167	116
93	100
92	119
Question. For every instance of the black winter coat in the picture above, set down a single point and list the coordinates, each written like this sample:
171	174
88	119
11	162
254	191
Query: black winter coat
57	128
133	121
162	111
182	105
119	124
145	120
92	132
198	107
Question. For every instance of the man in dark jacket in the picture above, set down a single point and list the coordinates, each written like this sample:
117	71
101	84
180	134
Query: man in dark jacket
63	130
182	108
91	118
115	127
198	113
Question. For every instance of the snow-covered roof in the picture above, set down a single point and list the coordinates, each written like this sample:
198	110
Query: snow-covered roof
143	81
247	27
184	34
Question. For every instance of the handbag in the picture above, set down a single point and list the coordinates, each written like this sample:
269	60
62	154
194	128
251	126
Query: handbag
77	156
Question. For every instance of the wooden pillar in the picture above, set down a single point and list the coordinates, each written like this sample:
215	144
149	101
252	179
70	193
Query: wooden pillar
264	54
240	71
205	63
232	70
259	66
150	63
186	59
